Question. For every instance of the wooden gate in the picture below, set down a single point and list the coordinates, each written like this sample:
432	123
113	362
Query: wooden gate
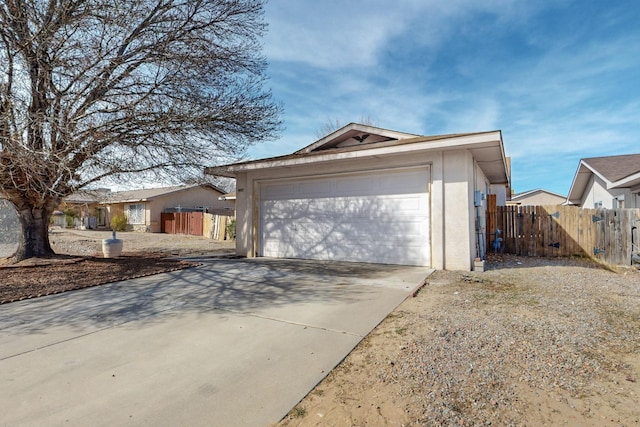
549	231
215	225
182	223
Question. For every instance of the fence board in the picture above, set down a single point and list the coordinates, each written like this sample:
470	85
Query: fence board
181	223
216	225
603	234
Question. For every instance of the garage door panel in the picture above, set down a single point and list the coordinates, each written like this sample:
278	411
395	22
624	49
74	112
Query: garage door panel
376	217
369	207
385	253
403	183
279	191
355	186
316	189
355	228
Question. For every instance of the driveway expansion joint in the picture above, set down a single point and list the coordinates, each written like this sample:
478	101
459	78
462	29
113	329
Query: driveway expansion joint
305	325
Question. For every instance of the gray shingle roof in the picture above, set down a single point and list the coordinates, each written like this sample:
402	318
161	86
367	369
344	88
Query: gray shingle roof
615	168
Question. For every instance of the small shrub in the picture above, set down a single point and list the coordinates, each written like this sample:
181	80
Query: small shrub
298	412
70	215
119	223
231	229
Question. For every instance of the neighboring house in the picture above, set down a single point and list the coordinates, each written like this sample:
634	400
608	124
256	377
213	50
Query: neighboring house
607	182
85	204
537	197
142	208
367	194
228	196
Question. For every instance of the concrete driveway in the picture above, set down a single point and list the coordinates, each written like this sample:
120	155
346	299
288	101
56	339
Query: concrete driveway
230	343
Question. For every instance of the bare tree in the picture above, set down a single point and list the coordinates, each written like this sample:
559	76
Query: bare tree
92	89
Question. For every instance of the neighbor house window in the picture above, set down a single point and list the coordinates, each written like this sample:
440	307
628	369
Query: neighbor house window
597	205
135	213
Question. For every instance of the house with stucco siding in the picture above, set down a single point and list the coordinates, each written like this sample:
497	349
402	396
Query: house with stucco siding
367	194
143	207
607	182
537	197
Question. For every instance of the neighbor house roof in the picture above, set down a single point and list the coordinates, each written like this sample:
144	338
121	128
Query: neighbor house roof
616	172
104	196
530	193
359	141
87	196
147	194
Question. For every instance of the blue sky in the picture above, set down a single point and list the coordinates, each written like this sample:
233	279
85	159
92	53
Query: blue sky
560	78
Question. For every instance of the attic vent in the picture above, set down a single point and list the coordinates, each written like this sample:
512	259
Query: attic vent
361	138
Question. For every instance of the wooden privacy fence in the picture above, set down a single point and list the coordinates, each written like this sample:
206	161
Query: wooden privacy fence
215	225
603	234
181	223
210	225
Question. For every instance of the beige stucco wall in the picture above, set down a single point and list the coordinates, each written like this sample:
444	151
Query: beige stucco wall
541	198
113	210
500	190
244	218
464	222
454	178
597	192
458	181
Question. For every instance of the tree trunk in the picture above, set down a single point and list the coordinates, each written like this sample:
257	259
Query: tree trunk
34	241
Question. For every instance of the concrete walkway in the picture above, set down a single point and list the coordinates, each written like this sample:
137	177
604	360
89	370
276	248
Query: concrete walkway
230	343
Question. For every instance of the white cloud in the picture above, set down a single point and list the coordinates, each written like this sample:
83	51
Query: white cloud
334	34
569	94
325	34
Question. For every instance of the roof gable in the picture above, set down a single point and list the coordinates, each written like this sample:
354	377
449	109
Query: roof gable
531	193
486	147
616	172
355	134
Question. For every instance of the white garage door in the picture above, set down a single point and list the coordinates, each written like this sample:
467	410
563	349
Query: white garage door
379	217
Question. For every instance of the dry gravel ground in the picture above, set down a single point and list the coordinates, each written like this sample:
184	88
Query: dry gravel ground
89	243
79	263
531	342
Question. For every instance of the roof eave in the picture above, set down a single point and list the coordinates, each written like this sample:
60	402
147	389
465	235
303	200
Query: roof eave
113	202
581	179
578	184
627	182
448	142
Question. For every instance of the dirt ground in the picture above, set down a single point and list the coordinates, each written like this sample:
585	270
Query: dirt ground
530	342
80	263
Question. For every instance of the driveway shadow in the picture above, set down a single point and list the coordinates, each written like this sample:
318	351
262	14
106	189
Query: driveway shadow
237	285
